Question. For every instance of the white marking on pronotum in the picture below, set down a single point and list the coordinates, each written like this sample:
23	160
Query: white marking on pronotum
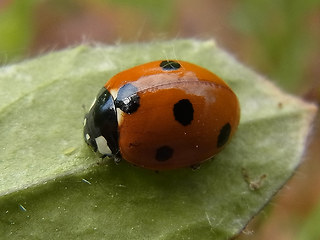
120	114
94	101
113	93
87	136
85	121
103	145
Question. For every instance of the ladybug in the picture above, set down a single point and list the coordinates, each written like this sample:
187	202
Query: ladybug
162	115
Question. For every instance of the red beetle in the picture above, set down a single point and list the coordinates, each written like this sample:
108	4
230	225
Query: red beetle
162	115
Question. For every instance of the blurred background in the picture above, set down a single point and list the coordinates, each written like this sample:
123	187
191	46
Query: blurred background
278	38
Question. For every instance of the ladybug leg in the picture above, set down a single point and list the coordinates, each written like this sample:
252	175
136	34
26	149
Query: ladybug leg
106	155
195	166
102	157
117	159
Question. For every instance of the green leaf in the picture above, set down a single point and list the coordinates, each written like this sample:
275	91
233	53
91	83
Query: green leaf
53	186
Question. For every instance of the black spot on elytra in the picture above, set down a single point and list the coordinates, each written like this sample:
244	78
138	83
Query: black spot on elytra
169	65
183	112
128	99
164	153
224	135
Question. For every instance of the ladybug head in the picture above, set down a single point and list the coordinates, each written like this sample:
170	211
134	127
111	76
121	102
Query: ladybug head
101	125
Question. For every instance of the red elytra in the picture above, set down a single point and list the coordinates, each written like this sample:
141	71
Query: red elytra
163	115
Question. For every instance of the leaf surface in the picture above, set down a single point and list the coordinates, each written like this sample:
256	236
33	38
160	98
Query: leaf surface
52	185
